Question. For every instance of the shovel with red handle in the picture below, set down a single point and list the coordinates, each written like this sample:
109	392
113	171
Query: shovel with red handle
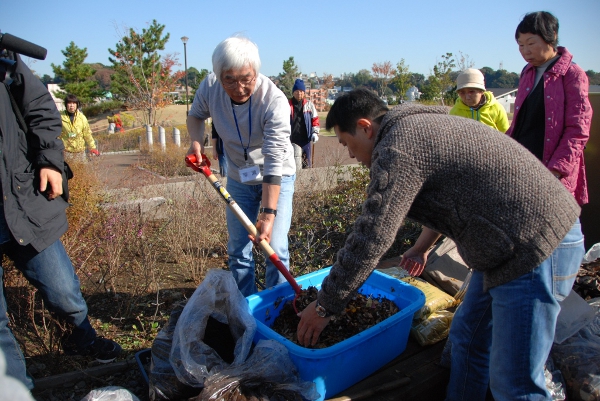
204	168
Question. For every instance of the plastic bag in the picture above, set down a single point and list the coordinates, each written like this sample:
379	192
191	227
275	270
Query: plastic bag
555	383
575	314
217	297
163	383
578	358
433	328
435	299
269	373
110	393
592	254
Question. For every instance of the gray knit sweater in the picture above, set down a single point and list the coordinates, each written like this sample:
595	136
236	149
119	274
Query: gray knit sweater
503	208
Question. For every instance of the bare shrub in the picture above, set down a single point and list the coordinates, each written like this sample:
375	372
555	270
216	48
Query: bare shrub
197	232
167	163
121	141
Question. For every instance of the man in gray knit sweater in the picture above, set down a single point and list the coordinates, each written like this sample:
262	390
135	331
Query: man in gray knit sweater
514	224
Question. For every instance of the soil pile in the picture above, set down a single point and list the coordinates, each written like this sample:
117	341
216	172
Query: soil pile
361	313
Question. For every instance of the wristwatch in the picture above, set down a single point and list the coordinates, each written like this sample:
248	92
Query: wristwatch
268	211
321	311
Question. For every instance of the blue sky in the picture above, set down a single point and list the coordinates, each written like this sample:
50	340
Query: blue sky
331	37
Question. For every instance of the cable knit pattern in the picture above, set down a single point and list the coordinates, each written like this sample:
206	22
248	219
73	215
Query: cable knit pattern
503	208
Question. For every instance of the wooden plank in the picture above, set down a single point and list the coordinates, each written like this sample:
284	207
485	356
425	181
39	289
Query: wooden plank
75	376
428	380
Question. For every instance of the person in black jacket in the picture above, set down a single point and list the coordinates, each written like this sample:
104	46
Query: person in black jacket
33	218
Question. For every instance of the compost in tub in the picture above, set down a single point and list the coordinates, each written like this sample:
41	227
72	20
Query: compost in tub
339	366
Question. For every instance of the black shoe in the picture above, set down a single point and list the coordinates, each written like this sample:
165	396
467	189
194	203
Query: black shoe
103	349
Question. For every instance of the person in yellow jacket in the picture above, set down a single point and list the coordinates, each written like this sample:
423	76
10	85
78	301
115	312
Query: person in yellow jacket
76	132
476	103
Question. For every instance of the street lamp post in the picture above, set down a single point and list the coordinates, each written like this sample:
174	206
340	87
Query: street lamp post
184	39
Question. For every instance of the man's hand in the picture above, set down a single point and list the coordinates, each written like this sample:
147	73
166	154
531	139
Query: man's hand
51	181
95	152
314	138
196	148
264	227
311	325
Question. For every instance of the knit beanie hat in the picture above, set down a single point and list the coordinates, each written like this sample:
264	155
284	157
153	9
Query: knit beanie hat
299	85
470	78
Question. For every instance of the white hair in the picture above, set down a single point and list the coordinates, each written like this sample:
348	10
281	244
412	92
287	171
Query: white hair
235	52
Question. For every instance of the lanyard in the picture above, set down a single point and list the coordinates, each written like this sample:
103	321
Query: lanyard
249	127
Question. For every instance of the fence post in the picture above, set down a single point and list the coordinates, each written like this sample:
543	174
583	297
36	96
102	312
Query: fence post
149	136
162	139
176	137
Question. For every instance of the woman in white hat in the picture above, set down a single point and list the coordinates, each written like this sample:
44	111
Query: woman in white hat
476	103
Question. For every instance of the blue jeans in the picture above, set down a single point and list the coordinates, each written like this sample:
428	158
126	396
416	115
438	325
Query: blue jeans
222	165
239	247
52	273
502	337
307	161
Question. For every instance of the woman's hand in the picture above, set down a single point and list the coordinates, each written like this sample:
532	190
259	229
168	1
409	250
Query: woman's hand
414	261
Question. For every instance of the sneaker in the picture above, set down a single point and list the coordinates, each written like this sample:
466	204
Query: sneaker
103	349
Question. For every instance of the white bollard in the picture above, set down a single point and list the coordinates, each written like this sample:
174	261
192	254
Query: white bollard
176	137
162	138
149	136
111	128
297	157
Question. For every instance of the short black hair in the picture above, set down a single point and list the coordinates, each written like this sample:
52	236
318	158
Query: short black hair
352	106
70	98
540	23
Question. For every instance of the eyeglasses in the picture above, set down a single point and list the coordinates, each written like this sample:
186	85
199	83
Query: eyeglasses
229	83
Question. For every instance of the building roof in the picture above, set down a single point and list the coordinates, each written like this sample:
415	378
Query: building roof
498	92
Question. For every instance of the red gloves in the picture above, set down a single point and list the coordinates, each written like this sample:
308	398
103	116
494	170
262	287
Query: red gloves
95	152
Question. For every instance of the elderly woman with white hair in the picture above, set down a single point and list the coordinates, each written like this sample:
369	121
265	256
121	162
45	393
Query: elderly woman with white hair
252	116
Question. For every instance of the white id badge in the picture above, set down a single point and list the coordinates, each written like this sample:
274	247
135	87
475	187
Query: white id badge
250	173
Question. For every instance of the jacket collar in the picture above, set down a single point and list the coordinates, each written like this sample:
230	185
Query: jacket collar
562	64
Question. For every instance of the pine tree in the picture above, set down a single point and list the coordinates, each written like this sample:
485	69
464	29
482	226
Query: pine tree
75	77
142	76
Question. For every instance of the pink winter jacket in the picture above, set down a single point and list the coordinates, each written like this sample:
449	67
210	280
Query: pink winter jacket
568	119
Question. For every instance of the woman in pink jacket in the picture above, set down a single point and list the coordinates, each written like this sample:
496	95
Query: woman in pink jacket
552	111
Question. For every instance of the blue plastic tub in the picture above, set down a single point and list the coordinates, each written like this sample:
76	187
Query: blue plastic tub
336	368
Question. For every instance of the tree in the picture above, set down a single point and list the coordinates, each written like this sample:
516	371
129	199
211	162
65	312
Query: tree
440	82
402	78
362	78
288	76
327	81
593	77
143	77
102	76
195	77
75	76
417	79
464	61
46	79
382	72
499	78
